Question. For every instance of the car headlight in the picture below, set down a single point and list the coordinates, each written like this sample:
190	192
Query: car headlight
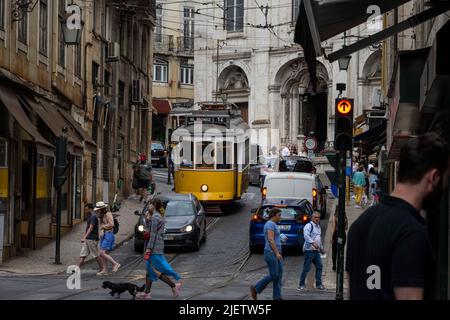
204	188
188	228
141	228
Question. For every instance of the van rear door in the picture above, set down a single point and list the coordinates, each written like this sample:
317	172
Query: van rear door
303	188
280	188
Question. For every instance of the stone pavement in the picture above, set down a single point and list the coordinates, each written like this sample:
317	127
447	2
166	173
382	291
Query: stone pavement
41	261
329	276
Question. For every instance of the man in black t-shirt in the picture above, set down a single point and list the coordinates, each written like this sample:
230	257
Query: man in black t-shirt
90	239
389	254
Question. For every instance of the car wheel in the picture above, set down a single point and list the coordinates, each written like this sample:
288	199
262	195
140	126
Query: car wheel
196	246
138	247
253	249
204	236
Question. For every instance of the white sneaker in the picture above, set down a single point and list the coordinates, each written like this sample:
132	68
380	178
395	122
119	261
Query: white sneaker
143	296
301	288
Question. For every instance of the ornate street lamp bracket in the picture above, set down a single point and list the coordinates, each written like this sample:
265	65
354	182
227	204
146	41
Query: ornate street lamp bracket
21	8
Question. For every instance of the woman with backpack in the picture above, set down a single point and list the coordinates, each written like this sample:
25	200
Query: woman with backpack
107	238
157	265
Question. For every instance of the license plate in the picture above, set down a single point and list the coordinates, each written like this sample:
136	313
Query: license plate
285	227
169	237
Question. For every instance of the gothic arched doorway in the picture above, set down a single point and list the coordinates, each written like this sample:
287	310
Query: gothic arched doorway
304	112
233	87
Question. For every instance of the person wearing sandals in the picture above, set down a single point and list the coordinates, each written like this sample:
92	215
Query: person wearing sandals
157	265
107	238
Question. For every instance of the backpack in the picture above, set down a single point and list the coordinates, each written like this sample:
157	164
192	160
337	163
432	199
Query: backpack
116	226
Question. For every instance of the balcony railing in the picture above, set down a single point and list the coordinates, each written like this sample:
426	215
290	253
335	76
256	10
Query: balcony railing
185	44
167	43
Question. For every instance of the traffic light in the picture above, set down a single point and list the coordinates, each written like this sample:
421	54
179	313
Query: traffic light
60	175
344	124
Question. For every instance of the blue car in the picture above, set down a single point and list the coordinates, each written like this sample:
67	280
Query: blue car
295	214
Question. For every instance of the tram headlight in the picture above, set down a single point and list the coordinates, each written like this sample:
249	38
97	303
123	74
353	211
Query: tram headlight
204	188
141	228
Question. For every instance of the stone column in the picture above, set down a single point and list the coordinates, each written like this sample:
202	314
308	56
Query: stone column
295	113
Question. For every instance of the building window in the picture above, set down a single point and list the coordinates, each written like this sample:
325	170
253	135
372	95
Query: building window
23	29
3	153
121	93
160	71
234	14
108	84
158	22
123	38
77	62
95	69
2	14
43	27
295	10
187	74
62	45
188	32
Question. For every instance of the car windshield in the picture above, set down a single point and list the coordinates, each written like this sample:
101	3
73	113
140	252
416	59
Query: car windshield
296	165
157	146
270	162
179	208
288	213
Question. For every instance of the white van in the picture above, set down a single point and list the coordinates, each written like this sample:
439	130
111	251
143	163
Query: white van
293	185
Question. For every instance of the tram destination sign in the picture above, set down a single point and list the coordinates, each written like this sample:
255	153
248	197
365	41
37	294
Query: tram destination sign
221	120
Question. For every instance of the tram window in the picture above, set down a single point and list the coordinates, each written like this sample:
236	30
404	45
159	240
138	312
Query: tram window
204	155
224	155
187	155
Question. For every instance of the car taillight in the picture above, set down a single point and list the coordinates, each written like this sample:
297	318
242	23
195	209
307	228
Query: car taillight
314	194
303	219
257	218
264	192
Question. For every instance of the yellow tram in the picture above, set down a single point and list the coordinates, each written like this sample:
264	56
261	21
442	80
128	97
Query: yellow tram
212	154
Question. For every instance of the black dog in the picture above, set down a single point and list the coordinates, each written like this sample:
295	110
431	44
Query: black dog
119	288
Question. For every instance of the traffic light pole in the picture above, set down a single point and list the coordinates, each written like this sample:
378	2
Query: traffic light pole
58	226
60	177
342	157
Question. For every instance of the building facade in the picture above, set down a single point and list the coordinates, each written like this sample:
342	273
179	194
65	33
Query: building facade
87	92
173	65
245	54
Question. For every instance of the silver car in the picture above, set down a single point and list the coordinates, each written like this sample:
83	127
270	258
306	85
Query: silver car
259	170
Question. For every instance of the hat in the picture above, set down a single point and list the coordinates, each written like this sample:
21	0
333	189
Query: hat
100	205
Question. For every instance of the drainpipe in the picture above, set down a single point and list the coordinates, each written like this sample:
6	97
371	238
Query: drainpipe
86	46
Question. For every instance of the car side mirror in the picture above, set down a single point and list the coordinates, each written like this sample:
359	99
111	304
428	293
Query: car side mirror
137	212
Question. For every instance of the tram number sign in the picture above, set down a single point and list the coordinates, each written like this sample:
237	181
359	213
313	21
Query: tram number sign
311	143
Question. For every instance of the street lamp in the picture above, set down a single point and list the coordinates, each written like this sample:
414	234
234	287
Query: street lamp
344	62
72	27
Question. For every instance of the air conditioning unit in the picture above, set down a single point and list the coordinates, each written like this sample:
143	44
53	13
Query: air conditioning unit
137	96
378	114
377	98
113	51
